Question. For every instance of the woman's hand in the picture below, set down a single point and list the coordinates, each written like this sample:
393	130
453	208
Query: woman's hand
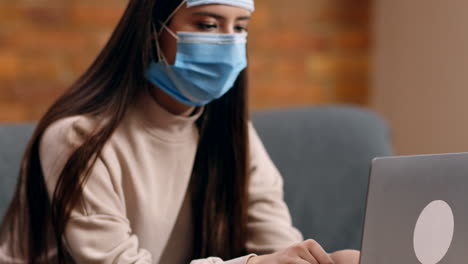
307	252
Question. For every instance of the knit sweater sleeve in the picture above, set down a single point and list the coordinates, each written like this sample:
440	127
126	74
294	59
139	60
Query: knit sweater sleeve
214	260
269	222
98	230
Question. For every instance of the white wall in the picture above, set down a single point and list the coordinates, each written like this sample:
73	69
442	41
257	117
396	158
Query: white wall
420	82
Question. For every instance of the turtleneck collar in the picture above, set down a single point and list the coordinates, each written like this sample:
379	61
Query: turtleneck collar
160	122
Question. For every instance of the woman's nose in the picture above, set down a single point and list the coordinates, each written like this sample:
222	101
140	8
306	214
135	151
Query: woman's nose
228	29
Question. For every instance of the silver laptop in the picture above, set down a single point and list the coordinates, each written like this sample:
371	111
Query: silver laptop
417	210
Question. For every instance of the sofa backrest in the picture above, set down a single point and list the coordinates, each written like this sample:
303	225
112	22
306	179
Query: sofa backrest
13	141
324	154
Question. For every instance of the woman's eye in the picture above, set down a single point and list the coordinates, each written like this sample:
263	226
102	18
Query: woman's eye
206	26
240	29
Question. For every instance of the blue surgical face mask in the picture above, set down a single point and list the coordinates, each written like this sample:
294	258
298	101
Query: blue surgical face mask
206	67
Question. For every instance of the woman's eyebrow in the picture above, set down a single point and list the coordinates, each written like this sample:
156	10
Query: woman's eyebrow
217	16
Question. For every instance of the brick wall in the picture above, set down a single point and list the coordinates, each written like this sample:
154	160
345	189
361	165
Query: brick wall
310	51
301	52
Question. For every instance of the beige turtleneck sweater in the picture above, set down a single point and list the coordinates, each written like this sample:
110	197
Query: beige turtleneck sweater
135	208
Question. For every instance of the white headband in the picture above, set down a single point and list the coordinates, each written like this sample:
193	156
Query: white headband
247	4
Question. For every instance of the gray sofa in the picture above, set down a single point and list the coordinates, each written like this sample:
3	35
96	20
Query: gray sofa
323	153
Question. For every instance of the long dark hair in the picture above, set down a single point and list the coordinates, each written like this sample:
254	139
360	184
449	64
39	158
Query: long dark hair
34	223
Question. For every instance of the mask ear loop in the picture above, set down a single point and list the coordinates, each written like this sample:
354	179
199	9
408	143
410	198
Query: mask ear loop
156	40
169	31
172	14
161	56
164	24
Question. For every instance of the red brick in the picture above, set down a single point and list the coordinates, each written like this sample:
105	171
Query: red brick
40	68
78	64
51	16
7	92
352	40
323	66
13	112
49	41
10	16
292	42
102	37
261	18
35	92
333	66
96	16
103	3
9	65
353	93
286	94
4	37
353	65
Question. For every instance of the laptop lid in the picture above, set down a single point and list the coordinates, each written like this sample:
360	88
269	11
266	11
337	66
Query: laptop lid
417	210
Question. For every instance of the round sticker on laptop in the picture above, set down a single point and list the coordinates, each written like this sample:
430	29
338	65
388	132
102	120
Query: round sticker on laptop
433	232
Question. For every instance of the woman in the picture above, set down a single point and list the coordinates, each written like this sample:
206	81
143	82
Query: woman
149	156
